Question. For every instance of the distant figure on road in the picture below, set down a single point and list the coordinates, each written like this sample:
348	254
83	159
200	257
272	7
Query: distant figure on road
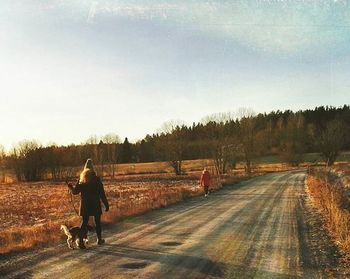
91	189
205	181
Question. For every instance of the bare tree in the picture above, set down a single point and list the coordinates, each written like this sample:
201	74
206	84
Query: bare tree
53	157
2	162
101	155
14	162
93	139
92	147
293	139
223	140
247	135
226	156
27	160
112	140
332	140
173	144
218	117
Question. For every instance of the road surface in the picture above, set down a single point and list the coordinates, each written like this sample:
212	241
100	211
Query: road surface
254	229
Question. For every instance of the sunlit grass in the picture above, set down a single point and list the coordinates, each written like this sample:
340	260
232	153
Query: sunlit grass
331	196
31	213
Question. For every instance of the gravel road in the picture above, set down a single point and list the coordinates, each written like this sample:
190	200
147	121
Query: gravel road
255	229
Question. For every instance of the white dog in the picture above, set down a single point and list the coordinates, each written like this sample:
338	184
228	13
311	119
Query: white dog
74	234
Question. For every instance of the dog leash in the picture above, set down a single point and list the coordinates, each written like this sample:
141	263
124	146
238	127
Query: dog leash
71	199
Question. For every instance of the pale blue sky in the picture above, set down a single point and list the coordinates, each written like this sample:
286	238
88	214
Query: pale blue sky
70	69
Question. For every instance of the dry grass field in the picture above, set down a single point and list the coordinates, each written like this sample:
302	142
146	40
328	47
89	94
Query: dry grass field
31	213
129	169
330	192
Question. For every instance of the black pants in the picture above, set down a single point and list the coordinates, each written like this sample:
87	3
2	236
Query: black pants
97	219
206	190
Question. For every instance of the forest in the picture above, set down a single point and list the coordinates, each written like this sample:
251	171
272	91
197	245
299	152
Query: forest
226	138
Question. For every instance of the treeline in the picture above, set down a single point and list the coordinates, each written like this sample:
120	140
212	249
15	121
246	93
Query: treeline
230	138
226	138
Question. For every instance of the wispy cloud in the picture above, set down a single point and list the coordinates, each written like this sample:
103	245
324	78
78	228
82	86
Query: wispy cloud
272	26
282	26
92	11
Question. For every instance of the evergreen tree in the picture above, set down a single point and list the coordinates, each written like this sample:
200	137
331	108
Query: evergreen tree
126	152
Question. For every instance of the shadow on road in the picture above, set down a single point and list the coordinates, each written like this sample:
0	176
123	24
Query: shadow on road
203	265
140	258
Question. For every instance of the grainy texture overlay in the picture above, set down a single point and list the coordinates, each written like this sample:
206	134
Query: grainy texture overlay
256	229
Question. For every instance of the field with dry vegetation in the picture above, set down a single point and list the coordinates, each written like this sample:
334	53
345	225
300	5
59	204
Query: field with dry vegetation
31	213
330	192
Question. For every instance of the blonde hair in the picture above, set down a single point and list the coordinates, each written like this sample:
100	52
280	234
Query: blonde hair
89	165
87	172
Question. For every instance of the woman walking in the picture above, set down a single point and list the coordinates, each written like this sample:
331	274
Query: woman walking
92	193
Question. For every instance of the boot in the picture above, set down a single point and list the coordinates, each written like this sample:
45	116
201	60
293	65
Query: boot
100	241
81	244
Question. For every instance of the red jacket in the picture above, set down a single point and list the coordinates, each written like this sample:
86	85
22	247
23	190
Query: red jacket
205	178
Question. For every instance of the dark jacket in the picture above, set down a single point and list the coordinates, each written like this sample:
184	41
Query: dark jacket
91	192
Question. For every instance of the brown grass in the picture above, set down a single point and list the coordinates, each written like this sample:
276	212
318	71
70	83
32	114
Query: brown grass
31	213
329	195
152	168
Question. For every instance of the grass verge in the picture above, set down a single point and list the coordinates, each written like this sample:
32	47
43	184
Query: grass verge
329	195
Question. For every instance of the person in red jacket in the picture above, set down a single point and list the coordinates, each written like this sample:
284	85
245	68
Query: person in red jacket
205	181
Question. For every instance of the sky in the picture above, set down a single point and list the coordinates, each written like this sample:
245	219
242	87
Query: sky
70	69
